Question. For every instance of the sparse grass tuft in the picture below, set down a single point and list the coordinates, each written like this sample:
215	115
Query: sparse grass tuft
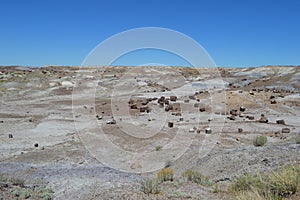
196	177
17	182
150	186
260	141
166	174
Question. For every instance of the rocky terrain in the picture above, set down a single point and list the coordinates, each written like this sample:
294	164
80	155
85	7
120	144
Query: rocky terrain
99	132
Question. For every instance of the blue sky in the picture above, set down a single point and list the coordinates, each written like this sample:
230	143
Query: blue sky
234	32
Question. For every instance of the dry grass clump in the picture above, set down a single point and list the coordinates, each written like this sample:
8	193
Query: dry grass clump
276	185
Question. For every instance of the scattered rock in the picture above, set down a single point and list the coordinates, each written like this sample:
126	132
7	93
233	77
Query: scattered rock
232	117
36	145
170	124
10	136
273	101
208	131
240	130
242	109
133	106
250	117
280	121
99	117
202	109
112	121
263	119
234	112
285	130
191	130
144	109
173	98
168	107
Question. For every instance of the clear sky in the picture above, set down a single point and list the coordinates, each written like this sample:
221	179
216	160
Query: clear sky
234	32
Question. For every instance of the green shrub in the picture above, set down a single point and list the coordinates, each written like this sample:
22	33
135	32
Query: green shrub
47	196
25	194
16	193
158	148
196	177
297	139
260	141
150	186
166	174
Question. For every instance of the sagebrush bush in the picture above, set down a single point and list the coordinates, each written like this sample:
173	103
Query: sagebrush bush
150	186
166	174
260	140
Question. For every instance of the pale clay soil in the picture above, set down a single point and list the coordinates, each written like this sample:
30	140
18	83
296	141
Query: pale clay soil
66	111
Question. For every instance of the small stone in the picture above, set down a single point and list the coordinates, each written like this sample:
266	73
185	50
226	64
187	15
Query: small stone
36	145
202	109
240	130
273	101
285	130
10	136
134	106
208	131
242	109
191	130
170	124
232	117
250	117
173	98
263	119
238	139
280	121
